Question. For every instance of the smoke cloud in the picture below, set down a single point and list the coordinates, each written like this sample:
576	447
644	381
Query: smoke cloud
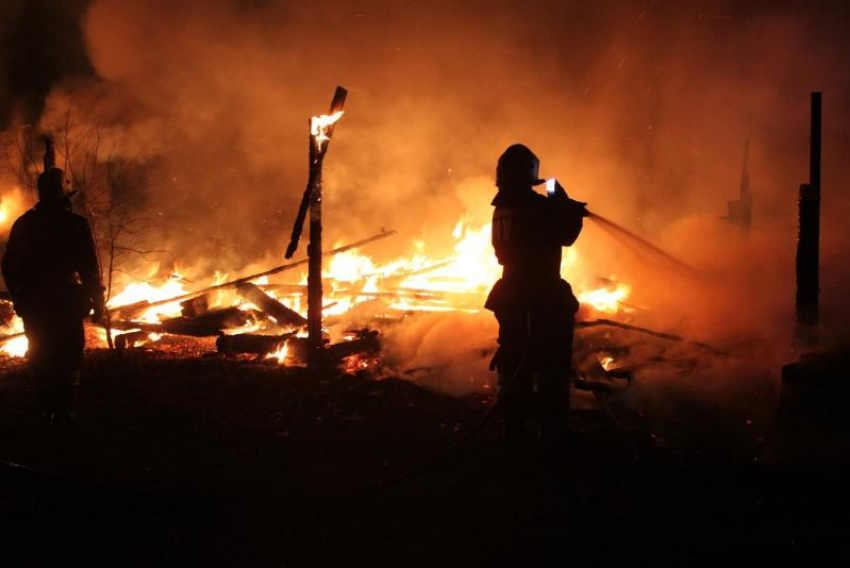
640	108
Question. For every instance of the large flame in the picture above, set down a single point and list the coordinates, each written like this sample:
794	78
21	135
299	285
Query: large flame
12	203
421	281
606	299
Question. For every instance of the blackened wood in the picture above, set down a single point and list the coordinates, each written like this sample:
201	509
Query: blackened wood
273	308
808	236
250	343
211	323
130	339
337	104
194	307
368	342
314	250
314	254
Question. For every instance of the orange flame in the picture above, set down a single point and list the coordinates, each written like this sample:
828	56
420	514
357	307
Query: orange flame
279	354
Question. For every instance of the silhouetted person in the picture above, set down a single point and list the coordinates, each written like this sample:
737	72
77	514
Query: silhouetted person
534	306
51	270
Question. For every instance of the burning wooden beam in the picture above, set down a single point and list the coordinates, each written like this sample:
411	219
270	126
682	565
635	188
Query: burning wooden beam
208	324
316	153
250	343
130	339
365	341
270	306
129	310
194	307
314	250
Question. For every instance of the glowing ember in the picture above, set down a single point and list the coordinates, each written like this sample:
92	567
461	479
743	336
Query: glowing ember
606	362
319	126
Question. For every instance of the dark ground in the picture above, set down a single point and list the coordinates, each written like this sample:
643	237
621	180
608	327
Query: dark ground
177	462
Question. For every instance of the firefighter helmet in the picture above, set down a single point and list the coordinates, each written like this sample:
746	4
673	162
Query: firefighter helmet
518	167
51	184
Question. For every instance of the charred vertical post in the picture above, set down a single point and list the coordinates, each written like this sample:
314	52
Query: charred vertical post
314	254
808	236
320	135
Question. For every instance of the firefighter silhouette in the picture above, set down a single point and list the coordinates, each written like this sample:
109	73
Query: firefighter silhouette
51	270
534	306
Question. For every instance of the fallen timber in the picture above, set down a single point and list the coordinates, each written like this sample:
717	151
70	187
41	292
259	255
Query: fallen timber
127	311
208	324
131	339
250	343
365	341
282	314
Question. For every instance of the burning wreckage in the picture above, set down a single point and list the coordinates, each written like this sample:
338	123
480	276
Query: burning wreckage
259	317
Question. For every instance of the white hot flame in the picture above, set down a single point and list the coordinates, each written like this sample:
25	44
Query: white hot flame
319	126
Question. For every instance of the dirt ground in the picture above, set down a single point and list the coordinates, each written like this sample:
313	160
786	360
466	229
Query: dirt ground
202	460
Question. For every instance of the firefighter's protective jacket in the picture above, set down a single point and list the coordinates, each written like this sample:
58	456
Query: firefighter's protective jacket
51	263
533	304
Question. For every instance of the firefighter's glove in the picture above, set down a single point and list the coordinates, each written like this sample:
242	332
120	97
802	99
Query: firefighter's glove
579	207
571	206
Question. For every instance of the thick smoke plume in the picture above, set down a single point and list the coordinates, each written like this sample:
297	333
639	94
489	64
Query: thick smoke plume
640	108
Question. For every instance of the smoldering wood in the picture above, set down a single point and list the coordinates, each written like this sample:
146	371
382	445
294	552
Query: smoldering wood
808	235
194	307
129	310
130	339
251	343
206	325
367	343
282	314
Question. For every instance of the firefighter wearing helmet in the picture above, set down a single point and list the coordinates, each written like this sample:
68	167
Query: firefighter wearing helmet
534	306
51	269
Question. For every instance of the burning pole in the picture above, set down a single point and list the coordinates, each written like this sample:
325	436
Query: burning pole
321	130
808	236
